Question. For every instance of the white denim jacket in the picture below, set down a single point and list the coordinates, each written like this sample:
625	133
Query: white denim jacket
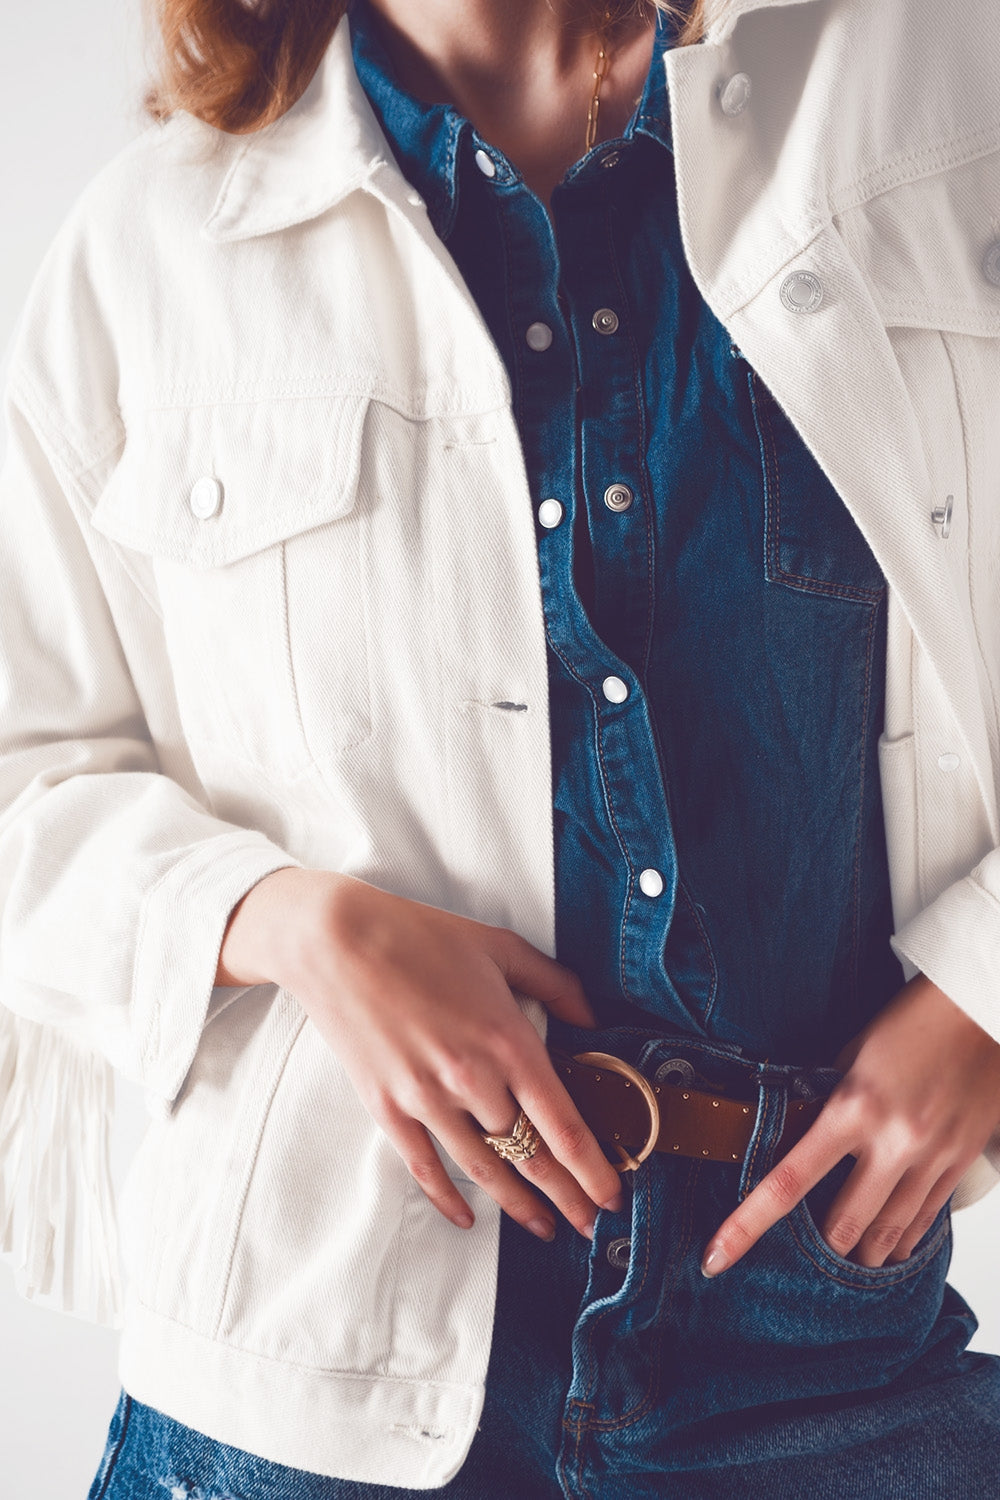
268	570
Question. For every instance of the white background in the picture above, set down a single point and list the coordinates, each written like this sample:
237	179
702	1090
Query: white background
72	76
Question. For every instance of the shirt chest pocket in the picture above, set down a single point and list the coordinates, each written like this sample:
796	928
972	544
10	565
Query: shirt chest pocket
248	526
812	543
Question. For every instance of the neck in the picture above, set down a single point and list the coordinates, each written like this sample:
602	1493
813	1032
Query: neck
520	70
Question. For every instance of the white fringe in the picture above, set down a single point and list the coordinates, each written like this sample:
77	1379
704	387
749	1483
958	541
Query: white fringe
58	1216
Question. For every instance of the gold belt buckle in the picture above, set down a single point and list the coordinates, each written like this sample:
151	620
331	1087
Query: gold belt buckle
638	1080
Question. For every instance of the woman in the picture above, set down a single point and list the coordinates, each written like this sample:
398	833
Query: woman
490	482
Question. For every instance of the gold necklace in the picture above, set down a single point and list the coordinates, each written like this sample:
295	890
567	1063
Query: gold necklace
600	73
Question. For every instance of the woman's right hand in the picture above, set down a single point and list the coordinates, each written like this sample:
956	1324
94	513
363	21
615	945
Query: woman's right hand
417	1004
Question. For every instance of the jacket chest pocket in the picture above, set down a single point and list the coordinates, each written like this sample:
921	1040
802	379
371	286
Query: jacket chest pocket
812	543
247	519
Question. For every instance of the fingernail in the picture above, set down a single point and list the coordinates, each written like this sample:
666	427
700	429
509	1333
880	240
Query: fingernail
616	1204
713	1263
544	1228
588	1230
464	1221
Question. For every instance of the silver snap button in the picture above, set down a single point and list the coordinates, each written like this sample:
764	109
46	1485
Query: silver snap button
611	159
485	163
991	263
605	320
551	512
734	96
614	689
205	497
538	337
618	497
651	883
949	762
678	1065
801	292
941	516
618	1252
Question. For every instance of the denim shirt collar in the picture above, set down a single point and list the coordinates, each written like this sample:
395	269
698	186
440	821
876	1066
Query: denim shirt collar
430	140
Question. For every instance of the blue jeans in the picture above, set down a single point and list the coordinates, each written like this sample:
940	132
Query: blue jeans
618	1372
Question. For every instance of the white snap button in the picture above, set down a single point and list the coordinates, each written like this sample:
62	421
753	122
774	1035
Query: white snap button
614	689
651	883
605	320
734	95
206	496
618	497
950	762
550	512
485	163
415	199
801	292
991	263
538	337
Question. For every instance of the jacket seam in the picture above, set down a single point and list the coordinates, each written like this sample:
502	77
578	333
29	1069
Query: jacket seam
234	1237
293	1364
937	159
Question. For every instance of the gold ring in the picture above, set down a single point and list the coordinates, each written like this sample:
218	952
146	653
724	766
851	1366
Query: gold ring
520	1145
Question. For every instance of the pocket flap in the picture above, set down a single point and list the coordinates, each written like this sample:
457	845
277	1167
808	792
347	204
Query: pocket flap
271	469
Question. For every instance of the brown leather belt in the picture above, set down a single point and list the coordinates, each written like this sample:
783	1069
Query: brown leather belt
631	1116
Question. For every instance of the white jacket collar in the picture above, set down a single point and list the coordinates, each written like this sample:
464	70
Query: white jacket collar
308	160
329	143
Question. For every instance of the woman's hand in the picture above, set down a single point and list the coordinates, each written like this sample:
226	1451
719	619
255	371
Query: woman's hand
416	1003
918	1101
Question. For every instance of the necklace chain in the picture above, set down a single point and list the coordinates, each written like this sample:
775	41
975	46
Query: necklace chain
600	73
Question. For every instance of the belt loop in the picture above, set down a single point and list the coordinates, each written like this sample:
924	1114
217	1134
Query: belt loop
770	1122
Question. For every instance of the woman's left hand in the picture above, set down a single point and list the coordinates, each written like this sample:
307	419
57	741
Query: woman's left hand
918	1101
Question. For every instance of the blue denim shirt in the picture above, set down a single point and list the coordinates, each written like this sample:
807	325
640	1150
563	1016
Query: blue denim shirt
715	620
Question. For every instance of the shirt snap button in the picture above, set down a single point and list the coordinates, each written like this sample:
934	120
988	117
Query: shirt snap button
991	263
614	689
538	337
618	497
651	883
949	762
618	1252
550	512
206	496
485	163
605	320
734	96
801	292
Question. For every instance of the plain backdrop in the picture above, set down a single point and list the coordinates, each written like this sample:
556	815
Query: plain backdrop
71	79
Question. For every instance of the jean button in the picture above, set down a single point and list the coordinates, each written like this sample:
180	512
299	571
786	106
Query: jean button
618	1252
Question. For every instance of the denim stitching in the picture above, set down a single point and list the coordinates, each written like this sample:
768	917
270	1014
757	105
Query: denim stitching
641	447
636	1413
609	803
764	1110
859	822
866	1280
800	581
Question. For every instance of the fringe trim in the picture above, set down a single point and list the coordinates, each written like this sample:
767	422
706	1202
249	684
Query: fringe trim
58	1213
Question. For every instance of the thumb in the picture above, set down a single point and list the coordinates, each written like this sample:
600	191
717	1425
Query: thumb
527	968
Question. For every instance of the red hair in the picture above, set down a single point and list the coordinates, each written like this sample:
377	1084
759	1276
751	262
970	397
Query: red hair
239	65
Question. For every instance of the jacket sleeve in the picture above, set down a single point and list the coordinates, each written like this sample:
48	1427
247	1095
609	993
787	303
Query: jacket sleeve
115	882
955	941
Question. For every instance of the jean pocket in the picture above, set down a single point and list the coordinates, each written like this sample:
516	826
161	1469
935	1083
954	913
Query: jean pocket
809	1213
